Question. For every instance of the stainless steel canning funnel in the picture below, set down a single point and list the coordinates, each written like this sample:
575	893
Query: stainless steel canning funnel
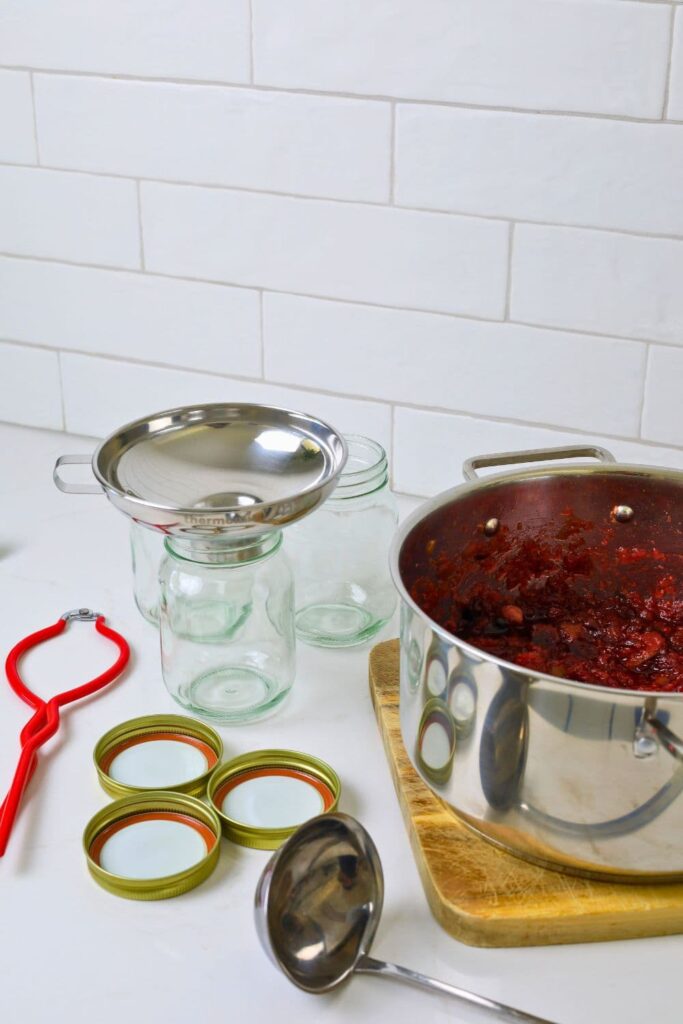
212	468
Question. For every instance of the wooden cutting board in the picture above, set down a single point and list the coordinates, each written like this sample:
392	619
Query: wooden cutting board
486	897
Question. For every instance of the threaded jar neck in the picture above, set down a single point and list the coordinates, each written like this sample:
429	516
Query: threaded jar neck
224	549
366	468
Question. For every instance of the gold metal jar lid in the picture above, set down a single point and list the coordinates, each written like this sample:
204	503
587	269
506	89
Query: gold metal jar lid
157	752
152	846
262	797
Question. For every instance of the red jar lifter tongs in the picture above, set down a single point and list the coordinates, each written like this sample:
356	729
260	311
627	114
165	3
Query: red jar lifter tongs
45	720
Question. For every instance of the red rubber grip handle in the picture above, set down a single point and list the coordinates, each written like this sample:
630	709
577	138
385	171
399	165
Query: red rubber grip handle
45	721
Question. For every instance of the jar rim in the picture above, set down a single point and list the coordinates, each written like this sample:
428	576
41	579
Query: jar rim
372	476
368	443
226	553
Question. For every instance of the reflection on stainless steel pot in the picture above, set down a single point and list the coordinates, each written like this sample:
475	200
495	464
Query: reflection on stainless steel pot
462	700
576	776
504	745
435	747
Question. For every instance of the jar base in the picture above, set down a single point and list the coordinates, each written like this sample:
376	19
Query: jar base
234	694
336	625
150	614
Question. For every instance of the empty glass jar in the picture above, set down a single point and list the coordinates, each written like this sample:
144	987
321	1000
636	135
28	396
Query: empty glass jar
147	550
340	554
226	617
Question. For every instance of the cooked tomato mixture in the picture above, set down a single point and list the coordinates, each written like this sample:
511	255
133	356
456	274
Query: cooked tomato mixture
598	612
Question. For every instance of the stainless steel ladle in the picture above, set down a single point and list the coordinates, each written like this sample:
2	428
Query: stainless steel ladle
318	905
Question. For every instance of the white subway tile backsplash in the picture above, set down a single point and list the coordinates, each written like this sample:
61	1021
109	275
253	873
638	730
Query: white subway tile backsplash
205	39
29	387
453	213
430	447
567	170
598	281
367	253
596	56
425	359
17	142
663	408
74	217
319	146
675	107
137	390
186	323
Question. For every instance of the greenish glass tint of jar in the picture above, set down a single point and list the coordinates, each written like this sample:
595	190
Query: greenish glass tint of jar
344	592
226	619
146	550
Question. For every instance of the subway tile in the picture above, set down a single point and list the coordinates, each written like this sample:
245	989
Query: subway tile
29	387
17	143
313	145
342	250
206	326
425	359
663	408
565	170
136	390
75	217
206	39
598	281
430	447
675	107
595	56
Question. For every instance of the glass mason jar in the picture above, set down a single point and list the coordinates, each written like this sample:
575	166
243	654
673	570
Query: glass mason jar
340	554
147	550
226	617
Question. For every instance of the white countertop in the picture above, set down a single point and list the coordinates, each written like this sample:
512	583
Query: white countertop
71	952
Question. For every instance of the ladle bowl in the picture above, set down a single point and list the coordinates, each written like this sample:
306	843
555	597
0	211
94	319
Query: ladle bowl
317	907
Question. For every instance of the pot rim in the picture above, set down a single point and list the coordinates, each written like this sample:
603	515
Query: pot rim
444	498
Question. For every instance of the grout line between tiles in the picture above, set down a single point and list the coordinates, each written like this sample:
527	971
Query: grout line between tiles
250	16
342	396
465	317
667	83
508	284
61	389
335	94
392	432
251	190
141	235
261	333
392	156
35	118
372	204
646	373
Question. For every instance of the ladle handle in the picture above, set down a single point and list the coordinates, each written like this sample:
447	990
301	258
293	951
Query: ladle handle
368	965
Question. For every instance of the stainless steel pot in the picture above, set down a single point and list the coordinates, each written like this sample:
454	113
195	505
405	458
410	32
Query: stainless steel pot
577	777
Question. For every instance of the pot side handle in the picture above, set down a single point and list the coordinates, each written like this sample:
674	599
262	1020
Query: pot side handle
64	485
571	451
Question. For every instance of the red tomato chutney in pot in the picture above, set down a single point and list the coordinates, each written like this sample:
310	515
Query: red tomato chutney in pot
582	601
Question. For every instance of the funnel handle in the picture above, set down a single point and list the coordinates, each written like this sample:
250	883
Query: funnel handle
69	488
